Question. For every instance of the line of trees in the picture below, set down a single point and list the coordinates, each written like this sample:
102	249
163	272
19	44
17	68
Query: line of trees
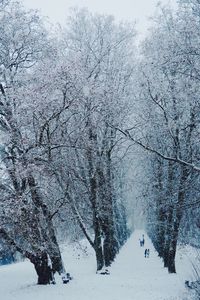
168	91
60	159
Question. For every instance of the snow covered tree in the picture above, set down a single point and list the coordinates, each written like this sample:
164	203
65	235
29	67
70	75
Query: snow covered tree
169	86
95	66
26	222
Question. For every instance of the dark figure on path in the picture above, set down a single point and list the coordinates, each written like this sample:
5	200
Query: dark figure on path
148	252
142	241
145	253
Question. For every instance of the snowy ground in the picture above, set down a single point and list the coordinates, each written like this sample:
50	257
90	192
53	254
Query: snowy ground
132	277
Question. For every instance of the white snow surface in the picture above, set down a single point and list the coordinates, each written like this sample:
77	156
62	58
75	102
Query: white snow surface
132	277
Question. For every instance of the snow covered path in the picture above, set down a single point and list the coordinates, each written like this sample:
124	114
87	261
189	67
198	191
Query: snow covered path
132	277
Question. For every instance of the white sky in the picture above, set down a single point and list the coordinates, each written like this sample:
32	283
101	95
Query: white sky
130	10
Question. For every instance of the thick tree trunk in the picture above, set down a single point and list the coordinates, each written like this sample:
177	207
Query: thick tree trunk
160	211
161	232
93	198
97	226
48	235
43	268
98	247
122	231
168	235
172	253
170	212
178	217
110	245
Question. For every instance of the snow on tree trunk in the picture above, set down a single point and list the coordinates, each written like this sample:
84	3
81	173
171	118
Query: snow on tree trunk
43	268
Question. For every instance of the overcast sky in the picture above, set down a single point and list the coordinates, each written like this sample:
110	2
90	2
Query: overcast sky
130	10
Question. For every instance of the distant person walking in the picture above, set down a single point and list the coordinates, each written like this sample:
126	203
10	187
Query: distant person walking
145	253
148	252
142	241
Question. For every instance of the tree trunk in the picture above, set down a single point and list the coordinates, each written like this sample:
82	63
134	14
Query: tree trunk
49	234
42	263
97	227
170	211
172	253
168	234
160	212
98	246
43	269
178	217
110	244
122	231
161	232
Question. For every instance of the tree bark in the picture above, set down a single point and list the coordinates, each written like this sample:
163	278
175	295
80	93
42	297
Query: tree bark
43	269
49	235
161	232
97	226
178	217
98	246
110	245
168	234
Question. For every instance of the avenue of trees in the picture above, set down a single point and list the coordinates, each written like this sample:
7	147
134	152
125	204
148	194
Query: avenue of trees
75	103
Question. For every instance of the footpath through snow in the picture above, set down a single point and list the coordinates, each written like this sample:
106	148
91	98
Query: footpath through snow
132	277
